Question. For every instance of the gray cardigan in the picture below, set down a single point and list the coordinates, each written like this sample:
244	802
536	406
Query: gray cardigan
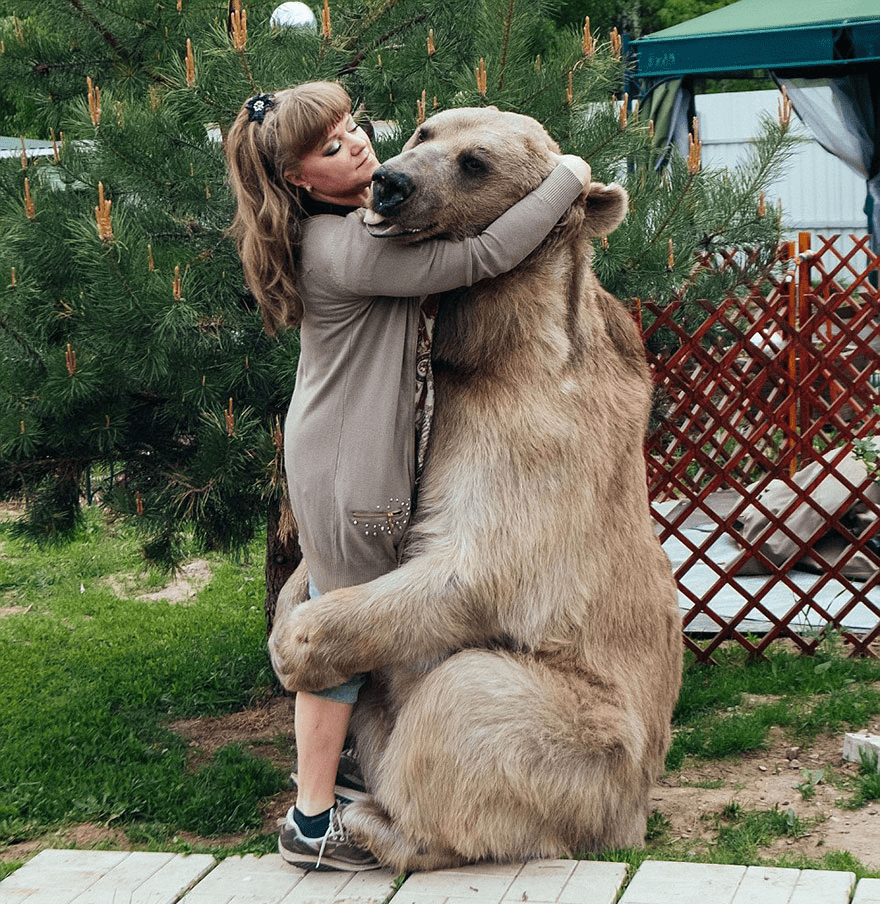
350	430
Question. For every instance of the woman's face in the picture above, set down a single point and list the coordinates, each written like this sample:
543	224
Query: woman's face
340	169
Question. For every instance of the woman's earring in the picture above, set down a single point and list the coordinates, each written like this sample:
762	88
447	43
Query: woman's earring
295	180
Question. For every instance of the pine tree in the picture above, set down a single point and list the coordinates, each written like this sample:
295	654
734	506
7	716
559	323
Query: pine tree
130	347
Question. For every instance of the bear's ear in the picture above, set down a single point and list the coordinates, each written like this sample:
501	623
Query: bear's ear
605	208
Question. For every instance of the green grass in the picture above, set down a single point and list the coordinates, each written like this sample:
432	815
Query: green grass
867	788
805	696
7	867
90	682
729	709
741	837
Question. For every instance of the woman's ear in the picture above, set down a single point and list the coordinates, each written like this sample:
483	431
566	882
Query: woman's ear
293	179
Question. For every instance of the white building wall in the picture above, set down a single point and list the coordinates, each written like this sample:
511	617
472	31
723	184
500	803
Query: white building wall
820	194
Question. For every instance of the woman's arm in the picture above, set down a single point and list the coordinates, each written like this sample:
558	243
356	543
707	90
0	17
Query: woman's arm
364	265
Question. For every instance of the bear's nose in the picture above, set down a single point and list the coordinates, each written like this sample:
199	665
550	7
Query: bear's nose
390	189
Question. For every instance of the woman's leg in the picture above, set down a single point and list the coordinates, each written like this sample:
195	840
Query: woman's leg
321	725
312	836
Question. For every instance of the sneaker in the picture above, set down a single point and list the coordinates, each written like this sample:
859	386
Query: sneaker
334	851
349	774
349	785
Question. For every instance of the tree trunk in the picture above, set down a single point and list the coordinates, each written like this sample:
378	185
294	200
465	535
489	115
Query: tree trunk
282	556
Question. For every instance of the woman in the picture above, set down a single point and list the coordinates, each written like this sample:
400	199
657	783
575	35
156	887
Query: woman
300	168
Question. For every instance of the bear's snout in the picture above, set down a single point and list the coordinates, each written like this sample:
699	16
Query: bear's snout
390	190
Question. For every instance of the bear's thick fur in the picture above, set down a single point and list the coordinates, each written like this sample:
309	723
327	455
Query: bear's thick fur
526	656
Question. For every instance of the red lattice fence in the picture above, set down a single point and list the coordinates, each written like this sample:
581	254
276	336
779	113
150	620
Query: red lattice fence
761	406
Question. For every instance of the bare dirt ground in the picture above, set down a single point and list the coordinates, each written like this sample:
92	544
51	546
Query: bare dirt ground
692	799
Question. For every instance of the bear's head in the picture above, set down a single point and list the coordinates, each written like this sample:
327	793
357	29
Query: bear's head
462	168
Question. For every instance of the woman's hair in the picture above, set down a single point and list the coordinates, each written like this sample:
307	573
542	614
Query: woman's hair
262	145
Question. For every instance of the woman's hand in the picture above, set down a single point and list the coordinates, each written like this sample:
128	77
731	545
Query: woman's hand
578	166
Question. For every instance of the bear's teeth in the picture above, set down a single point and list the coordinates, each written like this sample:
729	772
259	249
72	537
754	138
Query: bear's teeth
372	218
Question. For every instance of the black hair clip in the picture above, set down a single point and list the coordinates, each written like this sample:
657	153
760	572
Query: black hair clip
258	105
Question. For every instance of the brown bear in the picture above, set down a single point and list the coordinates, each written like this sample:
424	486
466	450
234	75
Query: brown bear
526	656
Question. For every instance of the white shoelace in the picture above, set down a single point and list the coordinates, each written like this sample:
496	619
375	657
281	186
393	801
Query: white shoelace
335	831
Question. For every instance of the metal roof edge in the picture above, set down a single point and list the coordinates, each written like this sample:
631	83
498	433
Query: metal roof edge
803	46
658	36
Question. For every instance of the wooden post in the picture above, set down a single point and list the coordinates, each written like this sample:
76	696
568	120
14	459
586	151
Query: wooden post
793	358
803	316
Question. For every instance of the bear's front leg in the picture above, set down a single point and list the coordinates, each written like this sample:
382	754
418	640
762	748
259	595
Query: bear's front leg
308	646
417	612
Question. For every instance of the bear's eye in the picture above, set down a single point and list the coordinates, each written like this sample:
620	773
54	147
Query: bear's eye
422	135
472	164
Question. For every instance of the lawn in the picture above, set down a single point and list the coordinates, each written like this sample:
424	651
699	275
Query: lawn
755	773
132	714
93	677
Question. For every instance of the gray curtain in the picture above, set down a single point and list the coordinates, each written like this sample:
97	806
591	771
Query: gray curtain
670	105
843	114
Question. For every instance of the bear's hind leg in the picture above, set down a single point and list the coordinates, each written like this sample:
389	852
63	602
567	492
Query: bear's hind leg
497	757
372	827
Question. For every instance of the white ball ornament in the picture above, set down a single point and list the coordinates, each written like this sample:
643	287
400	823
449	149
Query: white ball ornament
293	15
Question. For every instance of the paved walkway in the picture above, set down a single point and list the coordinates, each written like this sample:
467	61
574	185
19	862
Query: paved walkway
118	877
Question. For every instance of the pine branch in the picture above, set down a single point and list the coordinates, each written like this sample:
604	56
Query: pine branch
32	352
743	278
762	175
189	494
505	47
126	285
370	20
159	183
658	232
105	34
355	61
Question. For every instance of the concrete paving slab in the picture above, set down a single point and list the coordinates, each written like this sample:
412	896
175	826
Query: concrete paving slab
148	878
537	882
763	885
704	883
119	877
659	882
57	877
103	877
269	880
760	884
823	887
596	882
776	596
867	892
482	882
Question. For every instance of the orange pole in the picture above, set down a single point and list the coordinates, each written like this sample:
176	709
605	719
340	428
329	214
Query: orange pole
792	355
803	289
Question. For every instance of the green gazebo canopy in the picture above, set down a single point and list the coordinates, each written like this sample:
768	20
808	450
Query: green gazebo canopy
765	34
